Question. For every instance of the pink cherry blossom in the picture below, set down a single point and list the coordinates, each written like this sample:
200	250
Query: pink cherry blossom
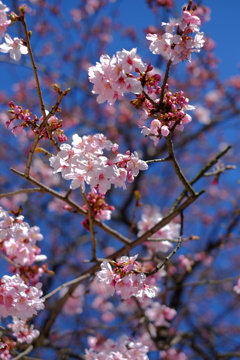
19	300
112	77
84	163
176	44
74	302
18	240
172	354
160	315
23	332
236	288
14	46
127	278
4	22
123	349
151	215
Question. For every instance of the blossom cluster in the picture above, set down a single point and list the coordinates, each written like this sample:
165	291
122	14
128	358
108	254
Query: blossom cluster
22	331
18	240
74	303
124	349
160	315
173	354
177	44
15	46
98	207
19	300
127	279
159	241
112	77
31	121
84	163
6	345
172	115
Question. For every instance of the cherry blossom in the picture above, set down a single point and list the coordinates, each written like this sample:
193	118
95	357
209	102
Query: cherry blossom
178	46
19	300
18	240
176	117
74	303
99	208
124	349
14	46
127	278
112	77
84	163
172	354
23	332
236	288
160	315
4	22
6	345
151	215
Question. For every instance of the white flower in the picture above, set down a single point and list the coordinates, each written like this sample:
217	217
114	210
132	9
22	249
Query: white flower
14	46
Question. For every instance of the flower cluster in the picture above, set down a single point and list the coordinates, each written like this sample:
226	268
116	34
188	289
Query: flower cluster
172	116
160	315
99	208
18	240
127	278
19	300
151	215
172	354
4	22
177	44
124	349
22	331
112	77
29	121
74	303
6	345
84	162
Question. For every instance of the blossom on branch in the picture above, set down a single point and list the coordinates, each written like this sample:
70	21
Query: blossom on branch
4	22
151	215
123	349
14	47
18	240
127	278
23	332
177	44
84	163
112	77
19	300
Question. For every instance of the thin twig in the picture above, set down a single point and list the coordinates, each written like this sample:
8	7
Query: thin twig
25	352
200	175
205	282
158	160
20	191
177	168
164	83
66	284
9	260
167	258
91	227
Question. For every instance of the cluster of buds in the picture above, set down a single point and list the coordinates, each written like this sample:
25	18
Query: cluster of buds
98	206
6	346
32	121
